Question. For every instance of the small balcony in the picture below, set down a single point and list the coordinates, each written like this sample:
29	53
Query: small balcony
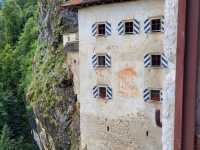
71	42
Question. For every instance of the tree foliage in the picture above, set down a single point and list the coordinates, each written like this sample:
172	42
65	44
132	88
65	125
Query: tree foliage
18	40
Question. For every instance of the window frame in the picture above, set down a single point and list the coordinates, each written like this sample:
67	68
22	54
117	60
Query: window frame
102	86
155	18
98	34
124	26
100	55
160	96
156	66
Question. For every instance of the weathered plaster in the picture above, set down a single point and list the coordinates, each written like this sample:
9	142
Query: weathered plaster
130	121
170	38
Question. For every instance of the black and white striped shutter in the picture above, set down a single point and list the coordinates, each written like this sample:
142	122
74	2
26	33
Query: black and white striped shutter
146	95
147	25
108	60
120	28
109	92
95	91
136	26
147	60
94	60
164	61
162	24
94	29
108	28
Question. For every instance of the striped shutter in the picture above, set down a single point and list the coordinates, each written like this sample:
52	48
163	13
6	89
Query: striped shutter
108	28
94	29
108	60
147	26
147	60
164	61
136	26
95	91
109	92
162	24
120	28
146	95
94	60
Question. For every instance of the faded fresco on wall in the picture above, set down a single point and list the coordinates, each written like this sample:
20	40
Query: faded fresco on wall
126	82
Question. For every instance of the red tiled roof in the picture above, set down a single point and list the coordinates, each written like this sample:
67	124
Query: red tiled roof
86	3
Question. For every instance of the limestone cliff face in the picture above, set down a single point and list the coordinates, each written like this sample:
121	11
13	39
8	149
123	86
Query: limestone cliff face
51	93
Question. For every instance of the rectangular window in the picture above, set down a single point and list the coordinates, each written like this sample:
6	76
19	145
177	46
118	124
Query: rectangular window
101	28
128	27
155	95
155	60
101	61
156	25
102	92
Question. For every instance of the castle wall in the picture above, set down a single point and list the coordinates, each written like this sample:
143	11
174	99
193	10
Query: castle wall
170	45
125	122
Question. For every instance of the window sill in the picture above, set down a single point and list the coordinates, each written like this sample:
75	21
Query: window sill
155	67
101	67
101	36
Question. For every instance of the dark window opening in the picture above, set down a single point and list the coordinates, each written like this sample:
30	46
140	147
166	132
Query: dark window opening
101	61
101	29
156	25
155	60
155	95
102	92
128	27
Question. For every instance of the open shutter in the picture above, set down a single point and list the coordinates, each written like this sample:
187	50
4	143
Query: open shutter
147	60
162	24
136	26
120	28
108	28
164	61
147	26
94	60
146	95
109	92
108	60
95	91
94	29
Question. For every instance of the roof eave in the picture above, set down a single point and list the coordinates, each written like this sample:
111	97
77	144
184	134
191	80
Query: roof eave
81	4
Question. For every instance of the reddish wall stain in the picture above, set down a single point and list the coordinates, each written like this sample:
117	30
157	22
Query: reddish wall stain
126	82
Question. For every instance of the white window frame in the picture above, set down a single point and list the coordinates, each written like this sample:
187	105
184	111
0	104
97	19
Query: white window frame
154	66
101	54
100	35
102	86
156	31
158	89
124	21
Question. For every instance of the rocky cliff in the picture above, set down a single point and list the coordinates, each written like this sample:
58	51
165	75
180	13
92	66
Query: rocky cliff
51	93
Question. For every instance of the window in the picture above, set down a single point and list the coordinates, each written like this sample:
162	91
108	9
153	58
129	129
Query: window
101	60
102	92
155	60
155	95
101	29
156	25
128	27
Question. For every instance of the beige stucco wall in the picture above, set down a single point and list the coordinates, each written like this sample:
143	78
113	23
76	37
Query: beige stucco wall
126	122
